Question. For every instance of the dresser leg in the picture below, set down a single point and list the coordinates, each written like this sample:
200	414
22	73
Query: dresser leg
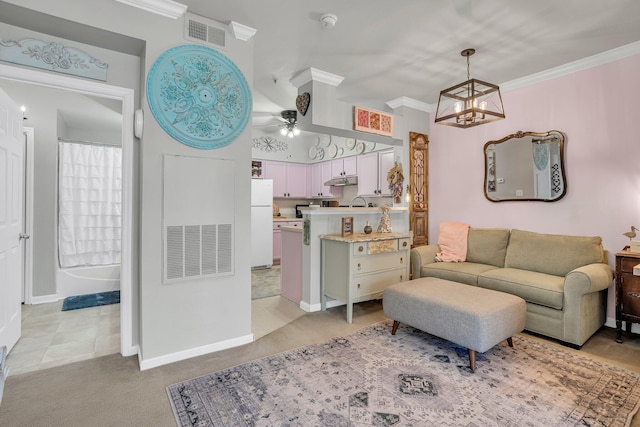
618	331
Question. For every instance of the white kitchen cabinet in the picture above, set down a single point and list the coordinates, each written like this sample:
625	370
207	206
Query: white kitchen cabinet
346	166
289	179
372	171
321	173
359	267
277	237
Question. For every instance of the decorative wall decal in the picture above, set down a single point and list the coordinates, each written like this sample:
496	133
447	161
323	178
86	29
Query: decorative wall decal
53	56
302	102
199	96
269	144
372	121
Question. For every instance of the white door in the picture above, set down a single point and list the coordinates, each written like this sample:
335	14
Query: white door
11	206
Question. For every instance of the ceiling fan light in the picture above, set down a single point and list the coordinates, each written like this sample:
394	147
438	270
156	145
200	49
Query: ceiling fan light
283	131
296	131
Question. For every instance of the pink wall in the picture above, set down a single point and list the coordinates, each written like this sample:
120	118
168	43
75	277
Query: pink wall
598	110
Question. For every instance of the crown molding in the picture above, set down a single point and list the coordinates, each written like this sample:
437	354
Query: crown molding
575	66
168	8
559	71
241	32
313	74
405	101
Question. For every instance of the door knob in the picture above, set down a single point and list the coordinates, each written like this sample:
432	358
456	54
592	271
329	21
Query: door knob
23	236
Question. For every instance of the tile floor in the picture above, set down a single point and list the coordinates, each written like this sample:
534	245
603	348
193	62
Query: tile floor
52	337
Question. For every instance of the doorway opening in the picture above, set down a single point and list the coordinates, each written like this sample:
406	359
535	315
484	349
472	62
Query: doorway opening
129	295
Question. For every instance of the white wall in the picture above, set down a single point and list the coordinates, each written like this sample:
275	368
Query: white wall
181	320
597	111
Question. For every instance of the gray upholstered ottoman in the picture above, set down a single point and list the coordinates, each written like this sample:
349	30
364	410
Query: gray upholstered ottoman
469	316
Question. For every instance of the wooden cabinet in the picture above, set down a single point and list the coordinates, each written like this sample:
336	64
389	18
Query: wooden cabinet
372	171
356	270
289	179
346	166
627	291
277	237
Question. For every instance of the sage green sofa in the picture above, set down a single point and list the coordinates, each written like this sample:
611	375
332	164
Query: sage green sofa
563	279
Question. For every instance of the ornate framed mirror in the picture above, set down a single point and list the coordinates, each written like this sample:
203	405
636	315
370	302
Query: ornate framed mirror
525	166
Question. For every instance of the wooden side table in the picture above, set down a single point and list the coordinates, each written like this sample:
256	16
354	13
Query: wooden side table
627	291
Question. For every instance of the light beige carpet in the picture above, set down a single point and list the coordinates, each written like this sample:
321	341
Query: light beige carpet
111	390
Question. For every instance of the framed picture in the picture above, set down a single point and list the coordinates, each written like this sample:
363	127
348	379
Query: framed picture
256	169
372	121
347	225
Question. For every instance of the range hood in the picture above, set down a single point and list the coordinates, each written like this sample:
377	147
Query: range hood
342	181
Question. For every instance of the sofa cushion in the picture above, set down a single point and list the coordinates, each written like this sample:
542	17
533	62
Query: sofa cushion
538	288
463	272
487	245
551	253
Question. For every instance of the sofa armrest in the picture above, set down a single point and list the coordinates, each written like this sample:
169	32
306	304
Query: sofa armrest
586	279
584	308
421	255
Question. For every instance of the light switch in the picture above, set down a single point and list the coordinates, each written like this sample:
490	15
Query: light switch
636	270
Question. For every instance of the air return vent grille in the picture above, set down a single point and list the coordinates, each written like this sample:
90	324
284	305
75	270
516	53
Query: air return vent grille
198	250
202	30
198	217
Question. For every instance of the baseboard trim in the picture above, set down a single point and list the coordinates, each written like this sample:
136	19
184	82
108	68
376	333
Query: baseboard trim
318	307
44	299
188	354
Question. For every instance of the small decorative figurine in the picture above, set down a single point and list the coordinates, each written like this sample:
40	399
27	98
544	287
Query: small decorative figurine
385	221
367	228
631	234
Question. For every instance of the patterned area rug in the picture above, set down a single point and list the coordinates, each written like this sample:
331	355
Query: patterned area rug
372	378
91	300
265	282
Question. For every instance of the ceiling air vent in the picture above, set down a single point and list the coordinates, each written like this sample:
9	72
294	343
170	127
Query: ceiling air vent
202	30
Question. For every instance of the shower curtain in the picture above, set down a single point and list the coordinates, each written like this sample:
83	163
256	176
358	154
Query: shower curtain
89	204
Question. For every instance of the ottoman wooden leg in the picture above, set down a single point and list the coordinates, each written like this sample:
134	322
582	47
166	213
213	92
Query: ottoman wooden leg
472	359
395	327
510	341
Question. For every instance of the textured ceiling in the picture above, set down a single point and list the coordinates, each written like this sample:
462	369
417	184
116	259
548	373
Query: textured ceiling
388	49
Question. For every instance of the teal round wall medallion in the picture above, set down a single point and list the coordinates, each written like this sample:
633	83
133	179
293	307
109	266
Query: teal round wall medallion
199	96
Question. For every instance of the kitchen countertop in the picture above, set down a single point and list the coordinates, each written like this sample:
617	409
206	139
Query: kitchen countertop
362	237
347	211
285	218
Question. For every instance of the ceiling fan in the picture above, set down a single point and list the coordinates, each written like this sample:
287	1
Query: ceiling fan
290	119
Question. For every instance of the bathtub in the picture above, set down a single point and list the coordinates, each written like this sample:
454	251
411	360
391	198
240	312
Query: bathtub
87	280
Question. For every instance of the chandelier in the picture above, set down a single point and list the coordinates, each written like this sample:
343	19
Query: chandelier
470	103
290	119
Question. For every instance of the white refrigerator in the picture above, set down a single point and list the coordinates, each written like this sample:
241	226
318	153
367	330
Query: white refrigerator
261	223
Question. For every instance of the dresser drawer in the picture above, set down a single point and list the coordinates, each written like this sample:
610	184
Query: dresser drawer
375	247
630	295
371	263
369	284
627	264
